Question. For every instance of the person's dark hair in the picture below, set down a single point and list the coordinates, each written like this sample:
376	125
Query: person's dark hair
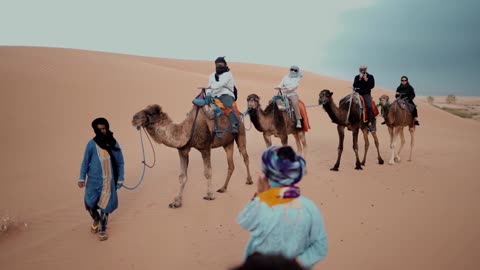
286	152
258	261
404	77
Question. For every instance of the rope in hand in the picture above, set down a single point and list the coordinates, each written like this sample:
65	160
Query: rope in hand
143	161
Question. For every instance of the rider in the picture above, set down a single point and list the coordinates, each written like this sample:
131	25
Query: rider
290	84
363	84
221	86
405	90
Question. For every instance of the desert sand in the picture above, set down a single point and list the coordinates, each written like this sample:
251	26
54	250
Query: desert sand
423	214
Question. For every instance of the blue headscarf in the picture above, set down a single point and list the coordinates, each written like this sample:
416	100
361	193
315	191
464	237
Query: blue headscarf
282	166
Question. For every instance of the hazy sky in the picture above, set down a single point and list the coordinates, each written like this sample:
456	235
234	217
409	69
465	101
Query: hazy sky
435	42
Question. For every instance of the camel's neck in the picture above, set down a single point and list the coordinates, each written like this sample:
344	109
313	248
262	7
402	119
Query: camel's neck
261	121
333	111
170	134
384	111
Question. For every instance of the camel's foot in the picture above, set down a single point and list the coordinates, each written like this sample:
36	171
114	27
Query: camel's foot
363	163
397	159
391	162
177	203
410	160
249	180
380	161
224	189
335	169
358	165
209	197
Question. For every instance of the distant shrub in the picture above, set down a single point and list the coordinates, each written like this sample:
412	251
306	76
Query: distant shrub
430	99
451	99
460	112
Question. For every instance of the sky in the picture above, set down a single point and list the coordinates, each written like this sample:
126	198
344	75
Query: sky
434	42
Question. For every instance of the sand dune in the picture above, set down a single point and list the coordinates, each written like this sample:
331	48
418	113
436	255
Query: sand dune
414	215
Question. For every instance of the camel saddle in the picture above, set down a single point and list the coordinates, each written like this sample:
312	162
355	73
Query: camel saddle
405	105
284	105
215	108
363	108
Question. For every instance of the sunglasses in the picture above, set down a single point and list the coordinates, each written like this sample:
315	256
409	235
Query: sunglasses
294	70
404	80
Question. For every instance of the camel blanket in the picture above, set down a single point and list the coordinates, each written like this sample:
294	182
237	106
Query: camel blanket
225	109
303	112
374	108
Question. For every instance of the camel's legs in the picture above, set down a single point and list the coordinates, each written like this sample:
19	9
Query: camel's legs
358	165
267	139
231	166
399	133
341	137
207	169
367	144
303	140
284	139
299	145
377	145
402	140
241	141
393	137
183	154
412	142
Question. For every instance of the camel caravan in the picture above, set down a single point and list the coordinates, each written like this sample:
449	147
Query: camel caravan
214	121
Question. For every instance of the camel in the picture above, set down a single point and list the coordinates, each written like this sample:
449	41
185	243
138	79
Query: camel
338	115
196	131
396	118
272	121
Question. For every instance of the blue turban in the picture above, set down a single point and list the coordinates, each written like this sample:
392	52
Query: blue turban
282	166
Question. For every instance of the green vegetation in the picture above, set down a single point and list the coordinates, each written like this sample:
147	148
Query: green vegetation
464	113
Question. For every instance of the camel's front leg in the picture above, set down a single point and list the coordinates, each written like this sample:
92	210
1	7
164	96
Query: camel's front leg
412	142
341	137
358	165
297	142
207	169
268	139
183	154
367	145
377	145
402	142
231	166
393	134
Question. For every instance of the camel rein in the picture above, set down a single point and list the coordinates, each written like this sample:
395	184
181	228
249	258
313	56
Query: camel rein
143	161
242	116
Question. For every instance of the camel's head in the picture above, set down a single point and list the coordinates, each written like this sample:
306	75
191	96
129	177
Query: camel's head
253	102
148	116
383	100
325	97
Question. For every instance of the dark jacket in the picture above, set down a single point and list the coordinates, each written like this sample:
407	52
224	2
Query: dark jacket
406	91
365	87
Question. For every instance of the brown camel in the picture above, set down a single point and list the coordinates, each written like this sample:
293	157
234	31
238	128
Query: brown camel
274	122
185	136
397	116
338	115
